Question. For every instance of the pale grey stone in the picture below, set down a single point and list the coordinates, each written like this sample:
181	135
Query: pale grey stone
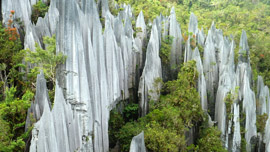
236	147
263	96
137	143
41	99
152	71
201	82
175	32
193	24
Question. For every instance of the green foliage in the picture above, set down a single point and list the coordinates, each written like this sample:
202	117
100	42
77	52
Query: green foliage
260	122
166	124
115	123
9	59
165	49
46	60
229	100
223	13
150	8
210	140
39	10
112	8
243	139
187	99
8	48
158	138
127	132
130	112
13	112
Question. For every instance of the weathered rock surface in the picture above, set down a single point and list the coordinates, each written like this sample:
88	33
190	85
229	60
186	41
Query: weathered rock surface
41	99
210	67
104	64
175	33
57	130
149	86
137	143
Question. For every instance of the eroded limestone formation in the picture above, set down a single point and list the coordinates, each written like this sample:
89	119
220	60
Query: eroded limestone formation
105	60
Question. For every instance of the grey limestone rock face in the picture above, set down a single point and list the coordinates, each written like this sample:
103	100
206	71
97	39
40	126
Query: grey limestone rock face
56	130
249	104
22	10
210	66
175	32
141	37
267	135
188	50
236	147
244	48
201	82
201	37
137	143
102	66
193	24
41	99
99	70
263	96
148	90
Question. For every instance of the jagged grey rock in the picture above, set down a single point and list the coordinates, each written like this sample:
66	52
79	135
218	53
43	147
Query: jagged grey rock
249	104
57	130
201	37
236	147
101	68
193	24
141	36
188	50
137	143
263	96
243	48
148	90
210	67
267	134
201	82
41	99
175	32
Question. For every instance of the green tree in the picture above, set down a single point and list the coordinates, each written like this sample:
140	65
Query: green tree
13	113
46	60
39	10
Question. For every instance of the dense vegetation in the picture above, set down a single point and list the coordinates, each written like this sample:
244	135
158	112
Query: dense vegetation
164	127
229	15
177	111
39	10
17	83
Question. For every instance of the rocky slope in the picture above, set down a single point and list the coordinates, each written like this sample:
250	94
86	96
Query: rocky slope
104	64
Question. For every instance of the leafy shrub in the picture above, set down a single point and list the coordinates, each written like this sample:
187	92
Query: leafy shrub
166	124
130	112
115	123
165	49
10	46
127	132
210	140
13	112
261	121
39	10
158	138
46	60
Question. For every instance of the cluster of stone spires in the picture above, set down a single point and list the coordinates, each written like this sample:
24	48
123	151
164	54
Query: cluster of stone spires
102	67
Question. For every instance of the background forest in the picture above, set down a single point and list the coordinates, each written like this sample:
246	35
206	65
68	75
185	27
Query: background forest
18	70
